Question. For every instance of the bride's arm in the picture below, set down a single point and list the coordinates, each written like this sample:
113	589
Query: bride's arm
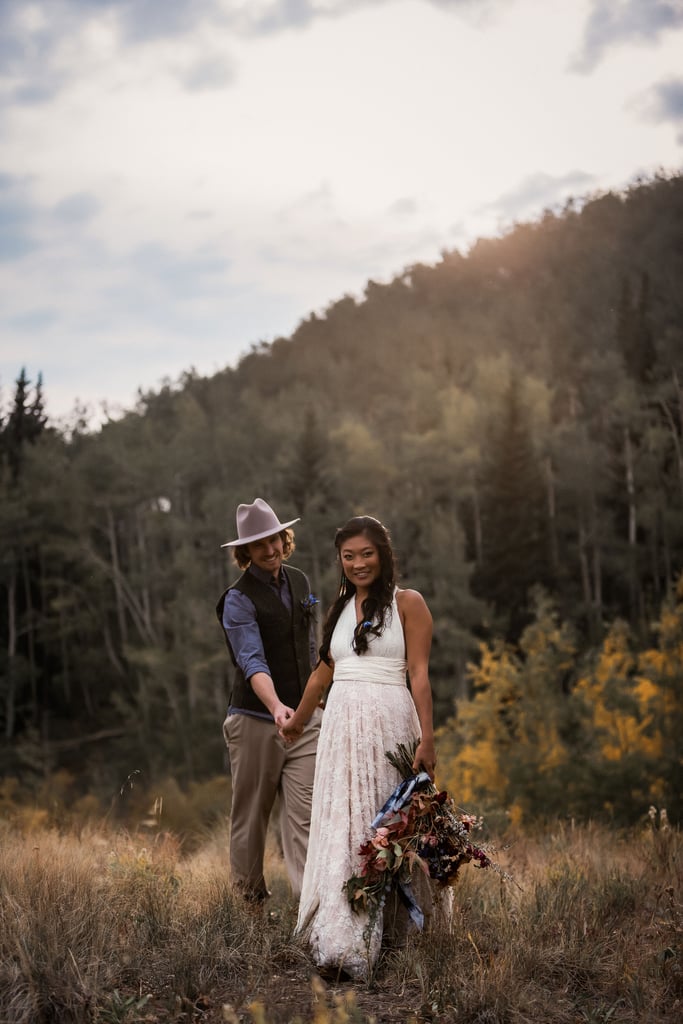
417	627
318	681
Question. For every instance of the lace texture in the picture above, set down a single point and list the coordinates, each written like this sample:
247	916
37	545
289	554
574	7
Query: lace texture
369	711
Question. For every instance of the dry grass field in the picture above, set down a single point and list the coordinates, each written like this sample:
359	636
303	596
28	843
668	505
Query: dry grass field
117	928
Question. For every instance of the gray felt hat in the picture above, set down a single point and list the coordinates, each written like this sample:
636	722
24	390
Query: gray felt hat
256	521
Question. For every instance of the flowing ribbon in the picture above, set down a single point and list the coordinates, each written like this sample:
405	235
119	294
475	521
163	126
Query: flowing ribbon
405	891
398	799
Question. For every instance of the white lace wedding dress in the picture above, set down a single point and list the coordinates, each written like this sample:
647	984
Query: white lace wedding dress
369	711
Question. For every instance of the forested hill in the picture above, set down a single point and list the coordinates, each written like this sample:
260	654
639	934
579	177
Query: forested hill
549	296
515	415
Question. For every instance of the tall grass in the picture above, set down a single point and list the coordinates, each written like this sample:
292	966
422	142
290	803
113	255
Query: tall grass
115	928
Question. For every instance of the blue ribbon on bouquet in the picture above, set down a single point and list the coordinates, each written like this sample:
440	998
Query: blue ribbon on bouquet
405	891
398	799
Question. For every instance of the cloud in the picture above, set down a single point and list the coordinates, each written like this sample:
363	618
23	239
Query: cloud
28	35
77	208
317	202
42	89
664	102
148	312
146	20
403	207
624	21
27	226
480	10
26	49
670	99
34	319
265	17
21	38
17	235
161	271
537	191
36	39
209	73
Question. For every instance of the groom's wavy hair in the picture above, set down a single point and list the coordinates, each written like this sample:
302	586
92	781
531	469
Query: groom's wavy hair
241	553
378	602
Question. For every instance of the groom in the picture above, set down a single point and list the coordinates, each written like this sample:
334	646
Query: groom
268	625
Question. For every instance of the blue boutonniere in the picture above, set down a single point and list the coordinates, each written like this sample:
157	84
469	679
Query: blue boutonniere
308	606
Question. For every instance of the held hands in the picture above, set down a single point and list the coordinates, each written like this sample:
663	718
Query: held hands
425	758
282	713
290	729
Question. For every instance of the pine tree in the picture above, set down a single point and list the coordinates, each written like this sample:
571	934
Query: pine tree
25	422
20	564
515	542
634	331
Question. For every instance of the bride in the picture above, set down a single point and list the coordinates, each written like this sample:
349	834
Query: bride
374	635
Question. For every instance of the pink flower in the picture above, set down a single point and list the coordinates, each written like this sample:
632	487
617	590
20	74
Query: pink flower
380	839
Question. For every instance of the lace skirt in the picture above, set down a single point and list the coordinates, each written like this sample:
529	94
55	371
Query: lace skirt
353	778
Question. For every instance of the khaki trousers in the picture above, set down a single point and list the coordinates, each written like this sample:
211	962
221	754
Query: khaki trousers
263	768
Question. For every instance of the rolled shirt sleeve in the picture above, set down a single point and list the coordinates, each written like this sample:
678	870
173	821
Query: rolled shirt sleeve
239	622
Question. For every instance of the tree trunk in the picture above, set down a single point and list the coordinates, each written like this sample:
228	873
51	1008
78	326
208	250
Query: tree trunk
654	555
478	532
676	430
63	645
144	570
126	600
116	573
109	646
552	516
30	637
584	564
10	703
597	561
679	433
666	554
632	528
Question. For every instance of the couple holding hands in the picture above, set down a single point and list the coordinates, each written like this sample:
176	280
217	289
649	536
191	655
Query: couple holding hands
328	768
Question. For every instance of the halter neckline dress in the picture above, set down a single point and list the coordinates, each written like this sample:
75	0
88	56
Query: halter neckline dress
369	711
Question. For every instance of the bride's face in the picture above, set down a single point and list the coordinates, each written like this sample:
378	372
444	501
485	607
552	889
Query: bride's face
360	560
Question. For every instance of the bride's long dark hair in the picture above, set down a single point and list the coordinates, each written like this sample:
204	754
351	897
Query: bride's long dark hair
381	594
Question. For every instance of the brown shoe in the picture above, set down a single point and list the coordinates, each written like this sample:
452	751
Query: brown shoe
255	897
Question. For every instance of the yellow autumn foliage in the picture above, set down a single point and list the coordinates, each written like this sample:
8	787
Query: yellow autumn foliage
542	735
510	729
621	703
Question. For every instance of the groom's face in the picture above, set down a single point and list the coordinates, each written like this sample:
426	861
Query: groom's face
267	553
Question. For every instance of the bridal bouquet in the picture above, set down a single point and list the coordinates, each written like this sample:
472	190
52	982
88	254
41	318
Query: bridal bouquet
418	828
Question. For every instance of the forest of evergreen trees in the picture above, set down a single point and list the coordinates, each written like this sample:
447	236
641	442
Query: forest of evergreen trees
515	416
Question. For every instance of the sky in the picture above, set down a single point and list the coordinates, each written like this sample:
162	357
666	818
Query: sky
183	179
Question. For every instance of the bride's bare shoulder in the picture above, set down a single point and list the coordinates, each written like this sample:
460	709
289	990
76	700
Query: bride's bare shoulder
411	601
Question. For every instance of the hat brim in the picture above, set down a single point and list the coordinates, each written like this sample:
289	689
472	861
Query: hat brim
259	536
